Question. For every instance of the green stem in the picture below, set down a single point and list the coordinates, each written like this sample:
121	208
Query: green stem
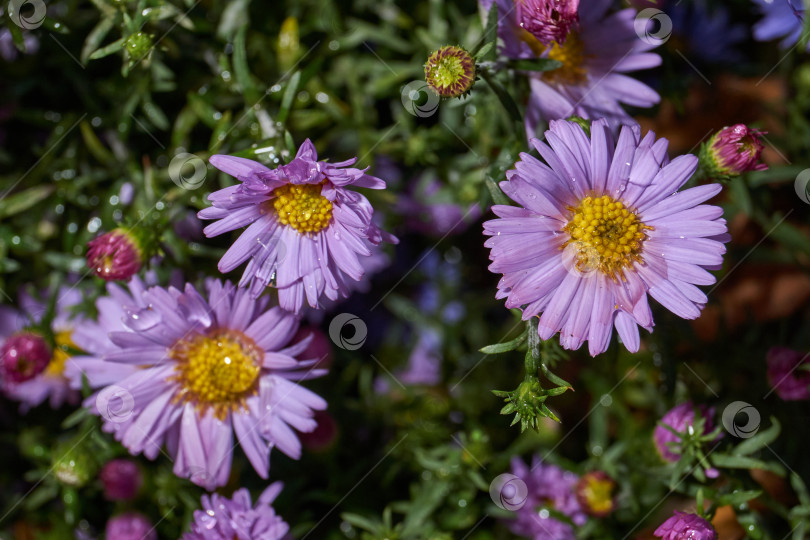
533	359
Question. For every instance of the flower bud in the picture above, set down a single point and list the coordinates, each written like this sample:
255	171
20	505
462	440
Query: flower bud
450	71
72	463
121	479
681	419
138	46
130	526
683	525
732	151
24	355
115	255
548	21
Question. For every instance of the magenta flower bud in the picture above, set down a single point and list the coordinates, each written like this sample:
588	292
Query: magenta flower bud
548	21
786	374
115	255
24	356
683	525
680	418
130	526
733	150
121	479
322	437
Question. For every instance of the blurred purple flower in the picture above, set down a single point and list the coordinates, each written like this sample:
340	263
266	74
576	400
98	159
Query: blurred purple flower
780	19
549	488
306	228
682	525
49	383
237	519
426	214
130	526
191	371
595	55
582	278
9	51
121	479
788	374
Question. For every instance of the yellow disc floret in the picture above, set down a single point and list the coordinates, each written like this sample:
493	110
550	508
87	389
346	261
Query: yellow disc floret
60	353
572	56
606	235
302	207
219	369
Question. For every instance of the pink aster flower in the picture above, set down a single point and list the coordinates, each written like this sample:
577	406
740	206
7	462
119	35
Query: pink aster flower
306	228
682	525
549	489
595	54
599	227
787	373
237	519
191	371
32	366
680	418
547	21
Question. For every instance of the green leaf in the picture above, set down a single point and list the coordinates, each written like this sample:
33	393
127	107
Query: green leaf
112	48
95	37
800	488
743	462
740	194
241	70
559	381
289	96
361	522
506	346
758	441
234	16
22	201
490	36
498	196
534	64
737	497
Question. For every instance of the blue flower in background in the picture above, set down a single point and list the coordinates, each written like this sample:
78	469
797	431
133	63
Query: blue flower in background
780	19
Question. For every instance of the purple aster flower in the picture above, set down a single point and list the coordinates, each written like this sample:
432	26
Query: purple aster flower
781	19
599	227
682	525
306	228
595	56
237	519
548	488
130	526
121	479
681	418
45	379
788	374
190	370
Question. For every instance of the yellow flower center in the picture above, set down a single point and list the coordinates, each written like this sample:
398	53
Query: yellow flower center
572	56
218	370
598	494
302	207
60	353
606	235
